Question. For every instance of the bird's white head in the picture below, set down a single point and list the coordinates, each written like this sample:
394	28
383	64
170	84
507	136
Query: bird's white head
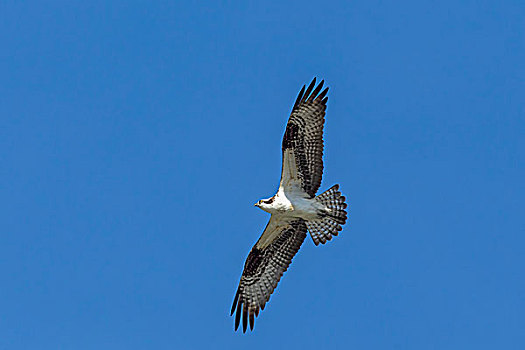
266	204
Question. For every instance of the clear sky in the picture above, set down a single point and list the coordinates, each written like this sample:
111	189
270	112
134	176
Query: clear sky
135	137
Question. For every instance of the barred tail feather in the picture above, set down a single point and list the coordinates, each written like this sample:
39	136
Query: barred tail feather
329	223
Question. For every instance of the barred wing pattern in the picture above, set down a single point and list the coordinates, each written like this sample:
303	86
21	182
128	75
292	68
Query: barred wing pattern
303	141
266	263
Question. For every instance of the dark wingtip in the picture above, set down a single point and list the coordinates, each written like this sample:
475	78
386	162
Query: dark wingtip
311	94
235	302
316	91
299	97
244	318
252	321
323	94
238	316
309	89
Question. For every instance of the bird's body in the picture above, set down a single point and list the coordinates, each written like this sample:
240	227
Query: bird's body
295	208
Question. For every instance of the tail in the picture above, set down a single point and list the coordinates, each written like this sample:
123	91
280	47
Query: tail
330	221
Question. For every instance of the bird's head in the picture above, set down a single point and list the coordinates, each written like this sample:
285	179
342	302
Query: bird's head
265	204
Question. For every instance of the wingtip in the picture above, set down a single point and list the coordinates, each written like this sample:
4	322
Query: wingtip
323	94
299	97
235	300
311	94
309	89
314	94
238	317
244	317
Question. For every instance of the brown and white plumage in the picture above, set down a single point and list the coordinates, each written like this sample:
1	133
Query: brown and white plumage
303	140
295	209
266	263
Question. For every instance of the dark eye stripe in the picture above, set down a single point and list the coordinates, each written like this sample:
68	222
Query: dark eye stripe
269	201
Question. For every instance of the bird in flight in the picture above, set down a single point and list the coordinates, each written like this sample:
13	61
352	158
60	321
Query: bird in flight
295	208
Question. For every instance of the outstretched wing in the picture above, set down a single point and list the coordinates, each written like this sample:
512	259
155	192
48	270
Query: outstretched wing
266	263
303	141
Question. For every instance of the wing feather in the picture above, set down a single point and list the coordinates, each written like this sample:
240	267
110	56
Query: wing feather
303	141
265	265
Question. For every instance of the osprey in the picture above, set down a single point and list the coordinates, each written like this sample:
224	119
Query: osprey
295	208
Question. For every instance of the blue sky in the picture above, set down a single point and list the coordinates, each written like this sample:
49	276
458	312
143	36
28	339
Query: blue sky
136	136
